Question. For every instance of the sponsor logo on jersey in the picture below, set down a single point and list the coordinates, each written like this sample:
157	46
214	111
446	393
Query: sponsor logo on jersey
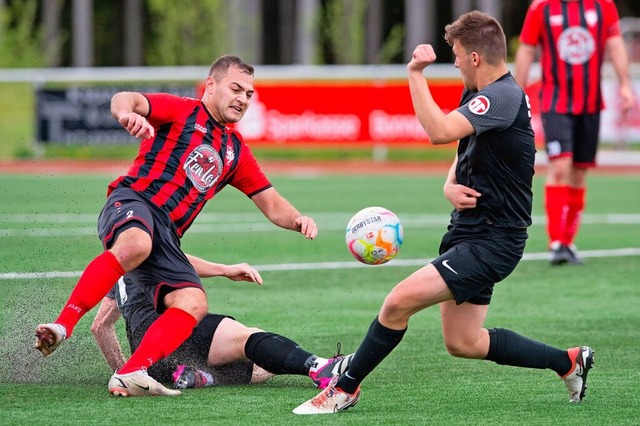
203	167
556	20
479	105
201	128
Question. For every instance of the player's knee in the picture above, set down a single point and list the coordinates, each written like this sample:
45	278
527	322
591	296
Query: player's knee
394	310
192	300
390	306
460	349
199	312
131	248
559	171
251	330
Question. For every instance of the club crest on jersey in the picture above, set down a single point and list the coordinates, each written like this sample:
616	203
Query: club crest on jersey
576	45
230	155
203	167
479	105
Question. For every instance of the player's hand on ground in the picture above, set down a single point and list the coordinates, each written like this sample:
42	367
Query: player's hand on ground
306	226
461	197
136	125
243	272
422	57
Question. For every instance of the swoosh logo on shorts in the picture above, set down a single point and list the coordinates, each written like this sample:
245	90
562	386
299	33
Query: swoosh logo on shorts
445	263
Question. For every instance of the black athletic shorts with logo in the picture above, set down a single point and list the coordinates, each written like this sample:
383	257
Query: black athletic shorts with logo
572	135
167	267
473	258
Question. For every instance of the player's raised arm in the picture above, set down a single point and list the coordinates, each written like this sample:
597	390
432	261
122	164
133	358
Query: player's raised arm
440	127
130	109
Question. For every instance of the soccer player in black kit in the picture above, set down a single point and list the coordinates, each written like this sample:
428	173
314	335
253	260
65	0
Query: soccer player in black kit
220	351
187	155
489	185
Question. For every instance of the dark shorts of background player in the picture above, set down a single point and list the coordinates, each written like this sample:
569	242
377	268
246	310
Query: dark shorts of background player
575	136
194	352
473	258
167	267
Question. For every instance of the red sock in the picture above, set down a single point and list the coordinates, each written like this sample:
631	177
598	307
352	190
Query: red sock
574	214
557	205
94	284
164	336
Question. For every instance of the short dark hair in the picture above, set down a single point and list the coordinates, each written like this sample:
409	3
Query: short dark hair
479	32
221	65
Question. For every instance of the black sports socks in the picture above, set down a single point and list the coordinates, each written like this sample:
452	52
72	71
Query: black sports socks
277	354
377	344
509	348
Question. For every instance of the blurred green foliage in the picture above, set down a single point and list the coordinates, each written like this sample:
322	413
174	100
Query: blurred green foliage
20	37
17	112
191	35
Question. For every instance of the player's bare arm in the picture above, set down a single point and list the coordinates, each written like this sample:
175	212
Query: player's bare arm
130	109
104	333
236	272
440	127
460	196
280	212
525	56
617	53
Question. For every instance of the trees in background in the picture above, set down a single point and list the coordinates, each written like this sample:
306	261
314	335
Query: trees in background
36	33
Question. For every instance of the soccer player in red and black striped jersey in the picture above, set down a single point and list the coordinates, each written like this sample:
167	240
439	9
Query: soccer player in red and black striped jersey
187	154
574	36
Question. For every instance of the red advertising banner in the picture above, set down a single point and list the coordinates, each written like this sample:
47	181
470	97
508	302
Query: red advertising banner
377	111
341	111
349	112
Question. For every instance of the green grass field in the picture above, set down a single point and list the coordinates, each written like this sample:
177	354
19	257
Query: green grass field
47	225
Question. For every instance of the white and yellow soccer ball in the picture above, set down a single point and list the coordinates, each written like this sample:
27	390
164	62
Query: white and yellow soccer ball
374	235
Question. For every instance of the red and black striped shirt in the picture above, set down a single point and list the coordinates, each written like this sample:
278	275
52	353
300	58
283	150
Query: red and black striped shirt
572	34
190	159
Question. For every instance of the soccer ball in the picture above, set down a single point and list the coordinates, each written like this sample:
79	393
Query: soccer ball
374	235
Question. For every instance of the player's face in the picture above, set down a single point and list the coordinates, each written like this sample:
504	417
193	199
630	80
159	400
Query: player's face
229	98
464	62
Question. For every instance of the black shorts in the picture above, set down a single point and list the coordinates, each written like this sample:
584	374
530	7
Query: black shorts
194	352
575	136
167	267
473	259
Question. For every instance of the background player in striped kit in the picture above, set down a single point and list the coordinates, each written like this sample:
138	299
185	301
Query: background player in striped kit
574	36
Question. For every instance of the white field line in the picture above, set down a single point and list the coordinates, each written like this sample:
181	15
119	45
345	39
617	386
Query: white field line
239	222
335	265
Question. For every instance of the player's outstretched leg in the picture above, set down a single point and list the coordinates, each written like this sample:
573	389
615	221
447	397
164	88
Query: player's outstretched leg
576	379
138	383
331	400
49	337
